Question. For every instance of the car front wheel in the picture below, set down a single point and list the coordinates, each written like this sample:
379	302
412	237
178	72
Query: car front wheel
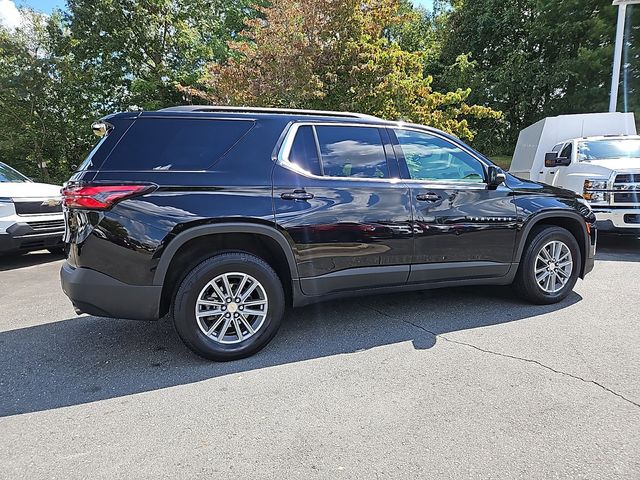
550	265
229	307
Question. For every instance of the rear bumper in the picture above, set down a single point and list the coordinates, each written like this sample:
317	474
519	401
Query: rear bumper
98	294
619	221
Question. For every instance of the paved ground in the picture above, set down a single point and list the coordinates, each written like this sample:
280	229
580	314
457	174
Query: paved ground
444	384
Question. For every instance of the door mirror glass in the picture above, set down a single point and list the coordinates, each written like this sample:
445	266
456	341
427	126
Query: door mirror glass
496	176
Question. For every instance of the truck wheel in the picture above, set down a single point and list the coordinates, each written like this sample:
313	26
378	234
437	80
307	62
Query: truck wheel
229	307
550	265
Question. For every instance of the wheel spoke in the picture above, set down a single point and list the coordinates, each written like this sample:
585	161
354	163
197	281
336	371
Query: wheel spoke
217	290
215	325
208	313
223	330
236	325
249	292
241	286
210	303
247	324
250	311
227	286
255	303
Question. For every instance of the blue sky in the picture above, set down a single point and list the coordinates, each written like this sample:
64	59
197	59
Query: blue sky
49	5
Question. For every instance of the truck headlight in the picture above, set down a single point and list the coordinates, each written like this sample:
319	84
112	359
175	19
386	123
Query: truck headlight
595	184
595	191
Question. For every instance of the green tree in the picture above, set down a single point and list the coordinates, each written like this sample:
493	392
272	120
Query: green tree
139	50
530	58
338	55
39	108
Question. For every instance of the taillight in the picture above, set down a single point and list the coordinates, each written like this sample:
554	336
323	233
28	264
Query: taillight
99	197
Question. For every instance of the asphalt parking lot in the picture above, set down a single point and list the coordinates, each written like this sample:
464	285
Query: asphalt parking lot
456	383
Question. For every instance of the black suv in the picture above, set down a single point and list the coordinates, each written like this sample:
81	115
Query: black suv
225	216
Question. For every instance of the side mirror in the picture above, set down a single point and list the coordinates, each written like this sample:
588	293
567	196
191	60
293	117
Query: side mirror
496	176
552	159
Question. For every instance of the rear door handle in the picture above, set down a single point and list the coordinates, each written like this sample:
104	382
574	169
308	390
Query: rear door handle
297	195
428	197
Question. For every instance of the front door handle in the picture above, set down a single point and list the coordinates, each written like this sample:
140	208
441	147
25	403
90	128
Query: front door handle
297	195
428	197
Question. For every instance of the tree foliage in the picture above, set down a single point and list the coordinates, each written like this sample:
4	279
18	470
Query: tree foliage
338	55
531	58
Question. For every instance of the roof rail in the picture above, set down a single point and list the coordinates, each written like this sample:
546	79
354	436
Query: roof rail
282	111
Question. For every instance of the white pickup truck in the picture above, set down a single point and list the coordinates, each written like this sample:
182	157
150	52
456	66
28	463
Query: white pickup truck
595	155
30	214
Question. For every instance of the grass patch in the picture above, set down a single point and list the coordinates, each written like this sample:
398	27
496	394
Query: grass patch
503	161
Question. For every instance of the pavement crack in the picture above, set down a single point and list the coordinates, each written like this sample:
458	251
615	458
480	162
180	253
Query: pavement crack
512	357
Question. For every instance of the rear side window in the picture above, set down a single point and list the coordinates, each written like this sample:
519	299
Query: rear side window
352	152
170	144
304	153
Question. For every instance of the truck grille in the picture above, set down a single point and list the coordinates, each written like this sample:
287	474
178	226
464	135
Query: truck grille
36	207
626	189
47	226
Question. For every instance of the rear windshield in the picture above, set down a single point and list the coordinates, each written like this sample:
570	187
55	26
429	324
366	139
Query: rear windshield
168	144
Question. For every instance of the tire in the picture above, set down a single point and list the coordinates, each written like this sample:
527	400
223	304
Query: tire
266	299
531	282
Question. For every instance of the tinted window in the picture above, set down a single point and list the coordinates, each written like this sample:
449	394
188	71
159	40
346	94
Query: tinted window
566	151
432	158
304	153
352	152
169	144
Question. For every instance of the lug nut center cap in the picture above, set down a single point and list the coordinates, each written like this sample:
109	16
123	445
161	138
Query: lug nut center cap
233	307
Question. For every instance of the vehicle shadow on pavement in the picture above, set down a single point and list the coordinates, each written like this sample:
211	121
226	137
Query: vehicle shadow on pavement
618	248
15	261
86	359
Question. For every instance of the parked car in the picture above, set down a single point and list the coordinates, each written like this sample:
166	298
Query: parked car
225	216
596	155
30	214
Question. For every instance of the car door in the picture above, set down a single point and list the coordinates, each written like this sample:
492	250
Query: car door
462	228
338	197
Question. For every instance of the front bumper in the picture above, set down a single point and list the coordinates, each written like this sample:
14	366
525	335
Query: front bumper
24	237
98	294
619	220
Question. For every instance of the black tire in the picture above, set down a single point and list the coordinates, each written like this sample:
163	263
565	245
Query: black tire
525	282
184	306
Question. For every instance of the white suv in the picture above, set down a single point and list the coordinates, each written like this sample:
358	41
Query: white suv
30	214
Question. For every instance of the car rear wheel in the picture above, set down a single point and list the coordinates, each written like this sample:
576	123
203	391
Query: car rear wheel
550	265
229	307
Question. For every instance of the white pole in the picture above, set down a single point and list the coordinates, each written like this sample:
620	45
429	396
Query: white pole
617	57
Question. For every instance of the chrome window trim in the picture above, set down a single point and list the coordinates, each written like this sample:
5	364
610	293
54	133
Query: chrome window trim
289	134
282	158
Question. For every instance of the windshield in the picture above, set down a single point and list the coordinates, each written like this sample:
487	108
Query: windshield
9	175
606	149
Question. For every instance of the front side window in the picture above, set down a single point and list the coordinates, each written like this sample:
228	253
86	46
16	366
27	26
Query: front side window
432	158
566	151
352	152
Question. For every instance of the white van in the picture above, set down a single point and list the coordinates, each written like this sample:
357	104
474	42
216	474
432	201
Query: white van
30	214
595	155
